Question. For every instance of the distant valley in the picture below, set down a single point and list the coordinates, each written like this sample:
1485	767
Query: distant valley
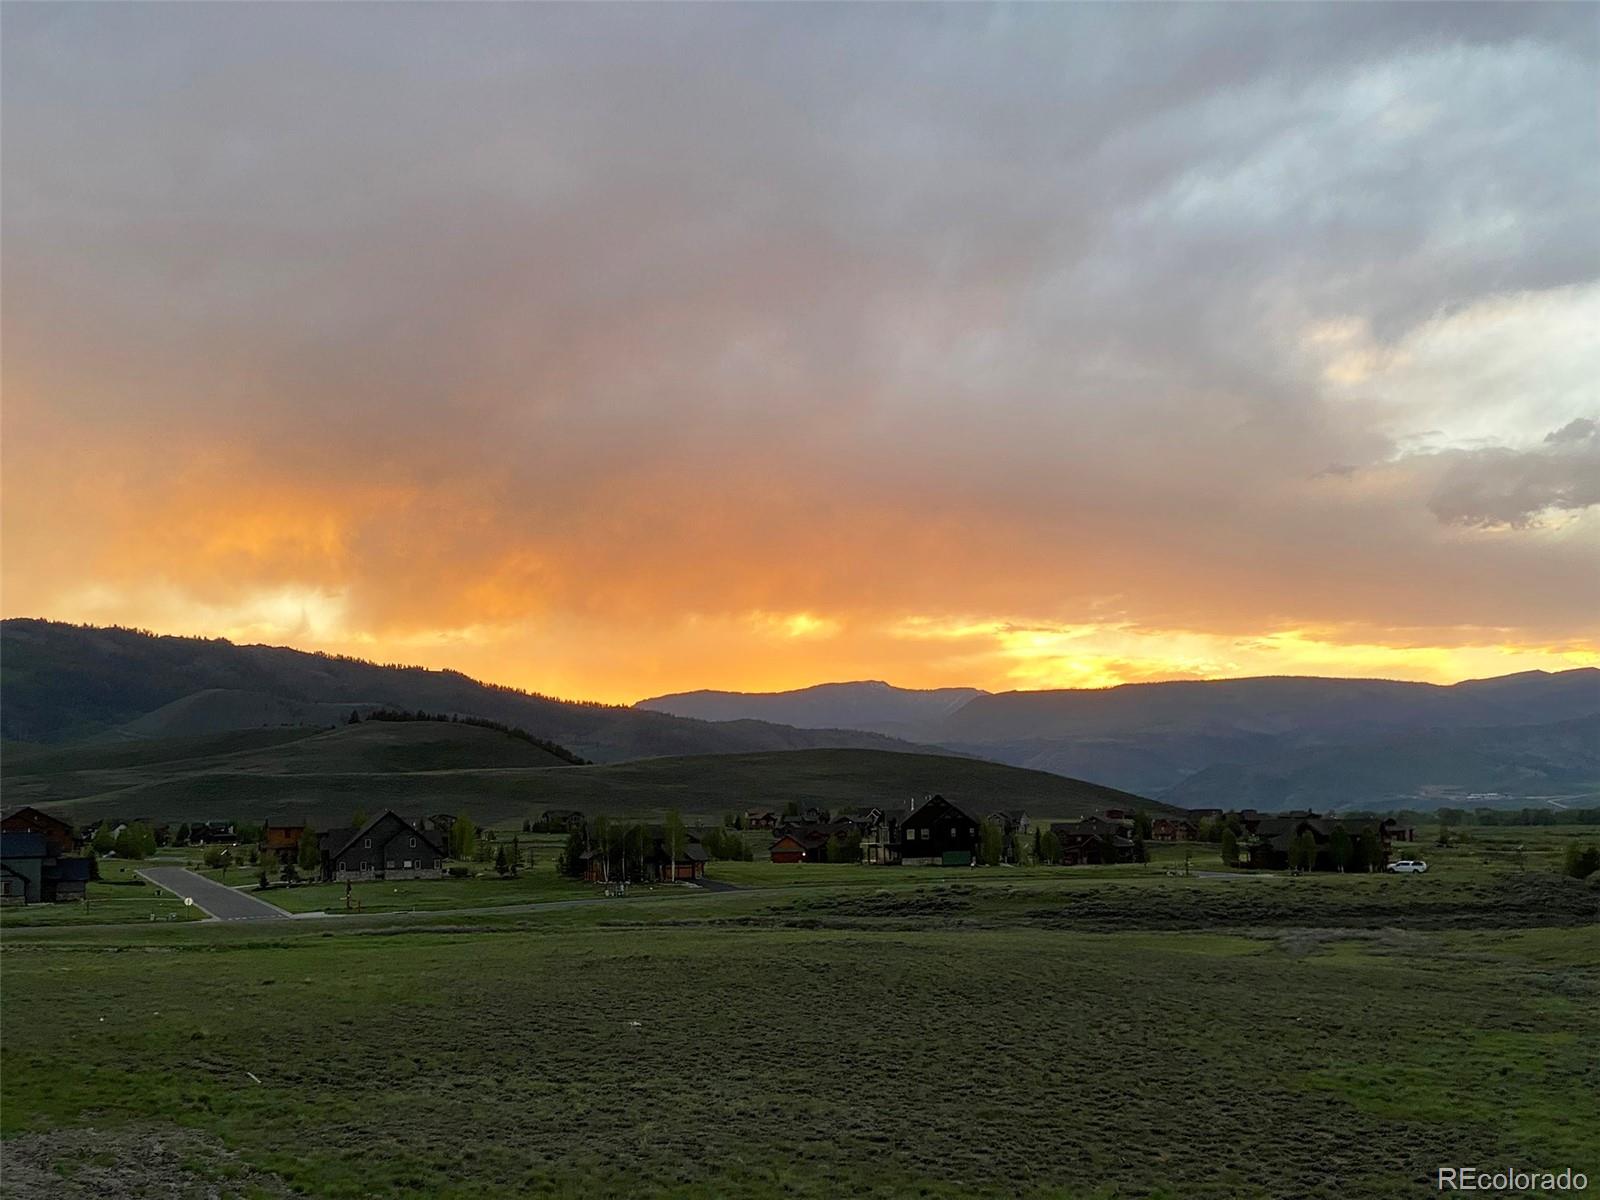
1272	742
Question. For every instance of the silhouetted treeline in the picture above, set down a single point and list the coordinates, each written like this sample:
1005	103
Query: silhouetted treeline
516	731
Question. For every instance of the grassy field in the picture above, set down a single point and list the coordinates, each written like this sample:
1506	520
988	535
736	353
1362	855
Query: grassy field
949	1038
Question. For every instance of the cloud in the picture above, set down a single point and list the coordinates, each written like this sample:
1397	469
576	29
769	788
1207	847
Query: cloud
1497	487
622	324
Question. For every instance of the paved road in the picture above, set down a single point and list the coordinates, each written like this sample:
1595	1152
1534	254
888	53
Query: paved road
218	899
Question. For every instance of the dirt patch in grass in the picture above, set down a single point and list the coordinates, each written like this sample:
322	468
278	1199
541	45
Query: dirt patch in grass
133	1162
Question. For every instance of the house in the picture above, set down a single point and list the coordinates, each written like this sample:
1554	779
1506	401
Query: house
801	843
1095	840
281	843
439	823
1390	830
788	848
660	862
1012	820
1274	837
938	834
760	818
1014	828
386	847
32	871
58	835
569	819
880	839
214	833
806	816
1175	828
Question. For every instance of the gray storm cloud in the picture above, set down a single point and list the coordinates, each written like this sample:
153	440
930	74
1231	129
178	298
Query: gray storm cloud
1496	486
1065	284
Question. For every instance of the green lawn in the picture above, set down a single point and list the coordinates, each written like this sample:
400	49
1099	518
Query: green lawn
823	1031
531	886
107	903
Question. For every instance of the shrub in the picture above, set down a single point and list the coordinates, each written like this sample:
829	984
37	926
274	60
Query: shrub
1581	861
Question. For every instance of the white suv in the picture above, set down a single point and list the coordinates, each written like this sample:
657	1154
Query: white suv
1408	866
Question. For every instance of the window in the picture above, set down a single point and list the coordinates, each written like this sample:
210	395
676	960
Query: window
341	864
365	865
389	865
413	843
367	844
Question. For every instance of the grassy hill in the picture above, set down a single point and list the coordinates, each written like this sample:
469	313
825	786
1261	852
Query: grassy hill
418	767
67	683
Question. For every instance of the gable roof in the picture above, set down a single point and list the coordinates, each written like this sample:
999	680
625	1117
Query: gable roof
31	813
931	806
336	844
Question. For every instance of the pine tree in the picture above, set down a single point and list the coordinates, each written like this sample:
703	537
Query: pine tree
1230	848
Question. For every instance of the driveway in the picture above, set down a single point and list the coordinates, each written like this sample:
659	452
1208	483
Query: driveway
209	896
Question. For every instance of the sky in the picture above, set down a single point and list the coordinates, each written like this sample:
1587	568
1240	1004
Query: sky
614	350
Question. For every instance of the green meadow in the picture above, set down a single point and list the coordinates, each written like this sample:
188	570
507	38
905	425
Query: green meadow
823	1031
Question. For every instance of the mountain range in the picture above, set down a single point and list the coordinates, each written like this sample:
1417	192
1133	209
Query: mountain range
1268	742
116	722
1273	742
67	683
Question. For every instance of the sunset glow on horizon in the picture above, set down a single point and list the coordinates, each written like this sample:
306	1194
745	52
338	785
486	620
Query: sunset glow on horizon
609	351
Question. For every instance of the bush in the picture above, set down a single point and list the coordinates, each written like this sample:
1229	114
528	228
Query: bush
1581	861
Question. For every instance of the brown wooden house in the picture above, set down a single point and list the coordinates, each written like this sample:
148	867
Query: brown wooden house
1175	828
1095	840
57	834
281	843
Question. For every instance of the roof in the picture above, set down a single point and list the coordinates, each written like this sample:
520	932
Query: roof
335	840
939	801
335	846
27	810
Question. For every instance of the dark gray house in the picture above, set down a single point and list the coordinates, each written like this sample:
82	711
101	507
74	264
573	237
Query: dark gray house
386	847
938	834
32	870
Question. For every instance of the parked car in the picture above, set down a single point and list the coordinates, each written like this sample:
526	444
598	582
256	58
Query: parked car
1408	866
